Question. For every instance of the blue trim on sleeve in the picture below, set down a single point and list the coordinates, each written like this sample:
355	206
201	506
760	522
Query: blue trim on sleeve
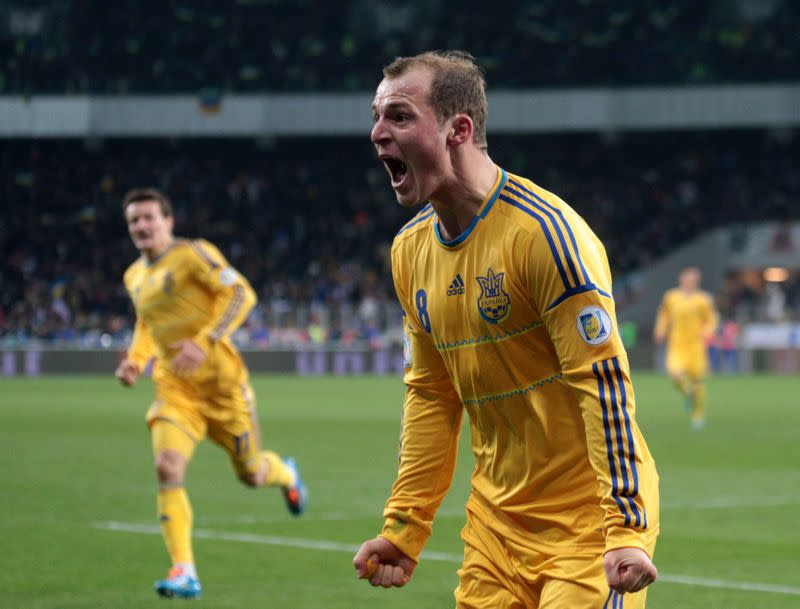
609	445
629	434
589	287
623	465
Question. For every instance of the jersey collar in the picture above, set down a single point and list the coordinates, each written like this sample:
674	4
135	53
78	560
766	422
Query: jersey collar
483	211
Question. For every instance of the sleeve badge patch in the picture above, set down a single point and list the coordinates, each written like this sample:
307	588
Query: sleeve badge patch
594	325
406	350
228	276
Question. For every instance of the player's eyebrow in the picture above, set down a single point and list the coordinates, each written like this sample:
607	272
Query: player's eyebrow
395	105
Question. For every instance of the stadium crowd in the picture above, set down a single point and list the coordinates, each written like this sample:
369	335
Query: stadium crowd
310	221
87	46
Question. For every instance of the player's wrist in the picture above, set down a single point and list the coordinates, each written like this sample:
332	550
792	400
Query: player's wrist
131	365
204	342
619	536
408	537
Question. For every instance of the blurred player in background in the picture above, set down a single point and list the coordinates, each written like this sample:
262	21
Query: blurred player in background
188	301
508	314
687	320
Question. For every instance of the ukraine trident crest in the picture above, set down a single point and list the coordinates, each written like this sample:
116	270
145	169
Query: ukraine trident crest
494	303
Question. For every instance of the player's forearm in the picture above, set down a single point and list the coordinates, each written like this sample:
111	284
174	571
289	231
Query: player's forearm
427	461
625	471
660	329
142	348
230	311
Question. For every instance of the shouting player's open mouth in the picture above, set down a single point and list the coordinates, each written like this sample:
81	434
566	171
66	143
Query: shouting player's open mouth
397	170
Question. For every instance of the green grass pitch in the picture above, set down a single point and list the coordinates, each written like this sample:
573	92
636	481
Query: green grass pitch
76	457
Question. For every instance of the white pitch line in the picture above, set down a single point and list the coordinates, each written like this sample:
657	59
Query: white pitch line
715	503
728	585
731	502
335	546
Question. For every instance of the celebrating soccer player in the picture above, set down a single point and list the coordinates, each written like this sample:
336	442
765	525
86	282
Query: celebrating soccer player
508	315
188	301
687	319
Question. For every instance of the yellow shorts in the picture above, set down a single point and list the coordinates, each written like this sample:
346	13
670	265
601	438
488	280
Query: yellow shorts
228	418
693	363
497	574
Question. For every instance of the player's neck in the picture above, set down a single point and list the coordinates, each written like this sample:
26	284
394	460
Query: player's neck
462	195
153	253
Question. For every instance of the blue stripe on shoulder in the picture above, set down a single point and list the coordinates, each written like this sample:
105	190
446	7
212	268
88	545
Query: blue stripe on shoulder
559	233
589	287
546	232
425	213
566	226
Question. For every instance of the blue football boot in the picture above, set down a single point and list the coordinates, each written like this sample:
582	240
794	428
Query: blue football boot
296	495
178	584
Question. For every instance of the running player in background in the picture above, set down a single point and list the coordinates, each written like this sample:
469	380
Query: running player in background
188	301
508	315
686	320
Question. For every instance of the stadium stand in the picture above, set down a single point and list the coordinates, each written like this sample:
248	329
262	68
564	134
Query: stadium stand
252	45
319	217
319	214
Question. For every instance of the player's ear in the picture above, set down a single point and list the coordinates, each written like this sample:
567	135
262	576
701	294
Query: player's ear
461	130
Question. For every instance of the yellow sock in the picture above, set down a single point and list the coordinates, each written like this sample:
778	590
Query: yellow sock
684	385
175	517
277	472
699	412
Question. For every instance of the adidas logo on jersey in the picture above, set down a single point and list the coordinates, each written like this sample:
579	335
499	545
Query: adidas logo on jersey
456	286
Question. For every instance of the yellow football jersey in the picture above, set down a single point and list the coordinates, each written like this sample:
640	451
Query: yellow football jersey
513	321
686	319
189	292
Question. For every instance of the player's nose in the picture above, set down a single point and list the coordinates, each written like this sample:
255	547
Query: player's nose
378	134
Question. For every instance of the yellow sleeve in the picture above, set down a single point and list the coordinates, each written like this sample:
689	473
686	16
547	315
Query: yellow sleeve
431	425
142	348
233	295
572	289
662	319
711	318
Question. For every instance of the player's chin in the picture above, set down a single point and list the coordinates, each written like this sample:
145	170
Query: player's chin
409	199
